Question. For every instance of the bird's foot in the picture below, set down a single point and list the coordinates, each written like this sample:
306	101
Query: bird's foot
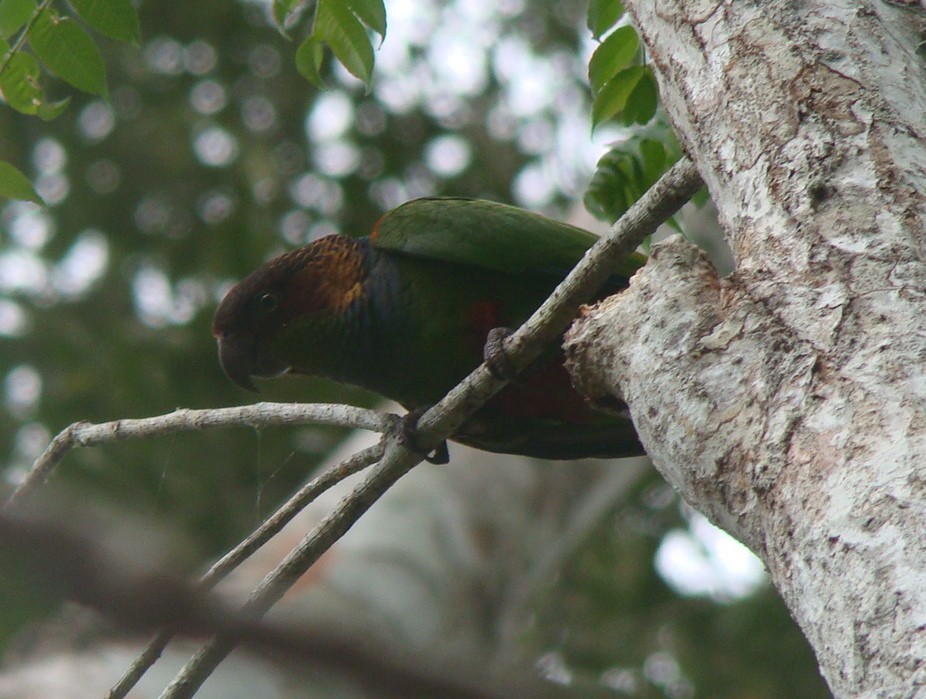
408	436
496	357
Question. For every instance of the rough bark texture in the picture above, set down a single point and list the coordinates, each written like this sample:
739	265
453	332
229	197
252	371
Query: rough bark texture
788	401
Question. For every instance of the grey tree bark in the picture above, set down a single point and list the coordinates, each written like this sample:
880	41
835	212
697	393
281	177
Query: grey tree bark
788	400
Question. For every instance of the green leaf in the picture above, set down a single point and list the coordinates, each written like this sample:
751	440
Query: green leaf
615	185
69	52
372	13
281	12
13	15
602	15
117	19
338	27
309	61
642	102
20	87
625	172
19	82
653	153
612	98
15	185
52	110
613	55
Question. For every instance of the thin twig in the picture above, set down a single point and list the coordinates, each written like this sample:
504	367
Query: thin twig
271	526
279	519
21	39
673	190
397	462
85	434
148	657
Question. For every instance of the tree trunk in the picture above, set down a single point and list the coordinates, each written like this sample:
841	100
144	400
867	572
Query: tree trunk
788	401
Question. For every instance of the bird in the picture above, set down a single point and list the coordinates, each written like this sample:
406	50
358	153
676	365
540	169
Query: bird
406	312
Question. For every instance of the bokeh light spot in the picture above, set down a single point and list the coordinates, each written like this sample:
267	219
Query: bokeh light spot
22	389
54	189
264	61
331	116
199	57
30	227
337	158
49	156
83	264
103	176
705	561
96	120
164	55
216	206
216	147
208	97
258	113
22	271
13	319
533	187
152	215
448	155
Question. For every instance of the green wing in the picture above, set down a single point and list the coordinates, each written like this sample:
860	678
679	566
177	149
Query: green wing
488	234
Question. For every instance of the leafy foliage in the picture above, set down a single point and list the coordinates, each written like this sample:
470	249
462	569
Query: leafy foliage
63	48
116	19
15	185
625	93
622	85
602	15
60	44
68	51
626	171
342	27
13	16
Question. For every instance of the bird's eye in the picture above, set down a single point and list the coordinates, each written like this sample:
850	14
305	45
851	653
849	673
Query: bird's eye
267	302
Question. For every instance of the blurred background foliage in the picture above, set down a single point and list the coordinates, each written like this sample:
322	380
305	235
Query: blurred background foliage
215	154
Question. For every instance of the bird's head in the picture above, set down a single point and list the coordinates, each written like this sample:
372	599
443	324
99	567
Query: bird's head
252	322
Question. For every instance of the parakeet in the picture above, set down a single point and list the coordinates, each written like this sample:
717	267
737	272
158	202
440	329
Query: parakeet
405	312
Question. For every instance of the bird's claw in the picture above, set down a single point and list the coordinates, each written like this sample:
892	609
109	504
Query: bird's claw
495	356
408	436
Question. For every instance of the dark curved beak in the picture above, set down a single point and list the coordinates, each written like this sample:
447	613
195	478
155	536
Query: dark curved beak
237	357
241	359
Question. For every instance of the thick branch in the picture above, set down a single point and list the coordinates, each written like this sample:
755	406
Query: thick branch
700	364
789	401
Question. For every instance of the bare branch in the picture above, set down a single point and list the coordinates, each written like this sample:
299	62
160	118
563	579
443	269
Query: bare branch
279	519
85	434
231	560
397	462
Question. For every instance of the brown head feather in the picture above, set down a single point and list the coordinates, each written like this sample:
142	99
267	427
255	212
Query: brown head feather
328	276
322	278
